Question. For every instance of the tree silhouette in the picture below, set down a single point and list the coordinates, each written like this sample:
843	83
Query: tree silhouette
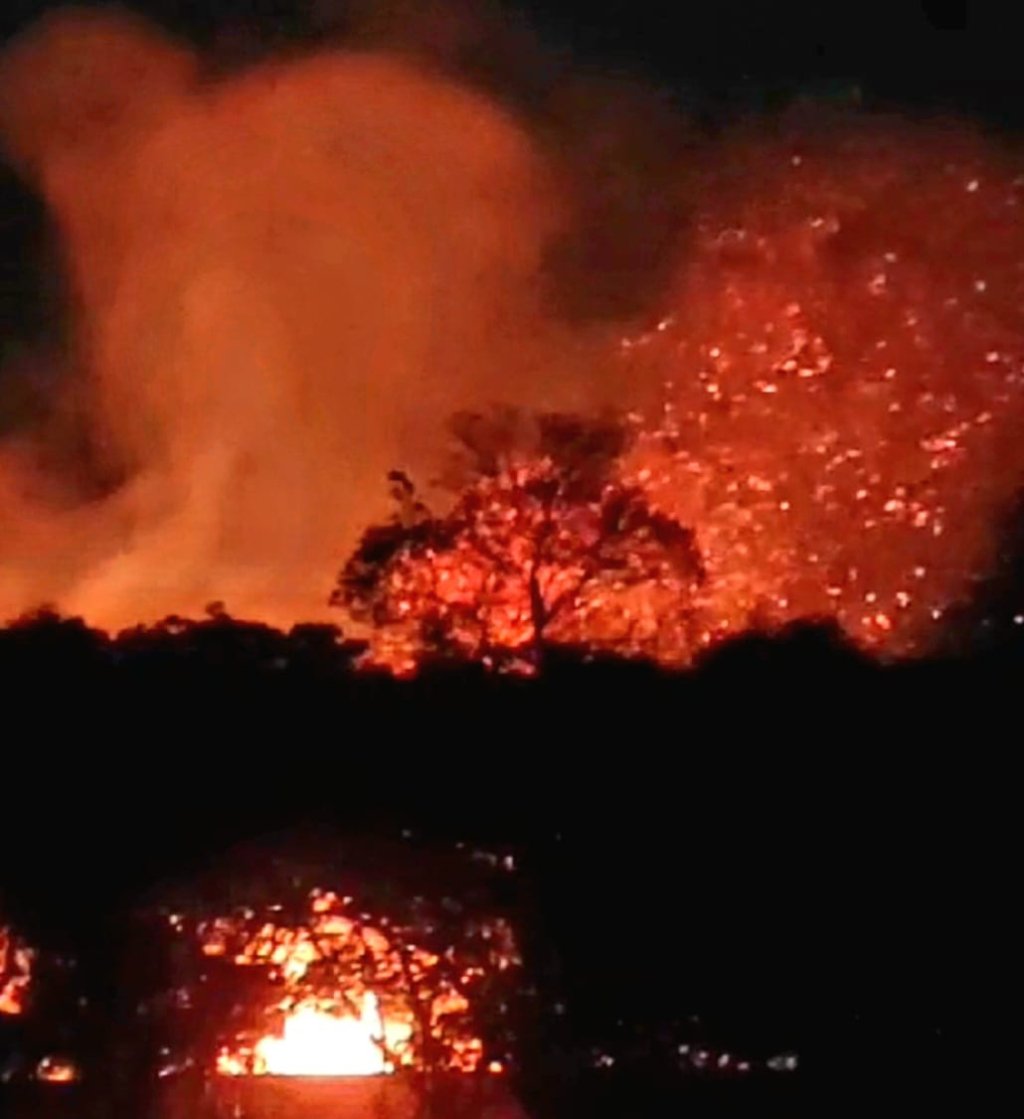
545	544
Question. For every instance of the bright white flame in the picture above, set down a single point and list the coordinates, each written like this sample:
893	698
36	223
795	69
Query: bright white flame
316	1042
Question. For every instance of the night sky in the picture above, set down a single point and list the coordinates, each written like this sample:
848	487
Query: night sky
921	52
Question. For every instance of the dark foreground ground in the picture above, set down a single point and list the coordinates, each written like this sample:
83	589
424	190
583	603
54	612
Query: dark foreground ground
791	853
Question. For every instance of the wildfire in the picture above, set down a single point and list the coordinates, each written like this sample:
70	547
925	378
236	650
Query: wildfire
354	1001
841	379
838	359
552	548
15	972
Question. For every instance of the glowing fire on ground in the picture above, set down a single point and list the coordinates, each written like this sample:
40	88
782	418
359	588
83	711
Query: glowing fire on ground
317	1042
352	1001
15	972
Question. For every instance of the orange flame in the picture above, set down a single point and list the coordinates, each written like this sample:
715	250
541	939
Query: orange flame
342	1025
57	1070
317	1042
15	972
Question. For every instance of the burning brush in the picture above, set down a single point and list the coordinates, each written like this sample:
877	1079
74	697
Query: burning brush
316	1006
350	999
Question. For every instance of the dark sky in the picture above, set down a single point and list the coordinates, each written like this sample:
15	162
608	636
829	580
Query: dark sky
938	52
903	40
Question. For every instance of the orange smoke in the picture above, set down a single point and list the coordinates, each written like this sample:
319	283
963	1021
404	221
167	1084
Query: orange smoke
283	282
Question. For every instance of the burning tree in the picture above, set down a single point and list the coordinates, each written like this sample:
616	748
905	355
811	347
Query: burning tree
546	543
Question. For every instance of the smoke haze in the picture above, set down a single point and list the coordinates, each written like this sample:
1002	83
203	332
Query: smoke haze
282	283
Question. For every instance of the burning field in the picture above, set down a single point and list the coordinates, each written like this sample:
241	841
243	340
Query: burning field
284	281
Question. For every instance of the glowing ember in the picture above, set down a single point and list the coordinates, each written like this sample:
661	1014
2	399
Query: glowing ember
841	380
354	1001
844	370
15	972
56	1070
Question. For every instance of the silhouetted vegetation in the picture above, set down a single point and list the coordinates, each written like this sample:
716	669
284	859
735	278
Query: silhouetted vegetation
544	546
790	841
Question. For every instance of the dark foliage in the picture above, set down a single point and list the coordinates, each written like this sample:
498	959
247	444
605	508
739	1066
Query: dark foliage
787	842
126	756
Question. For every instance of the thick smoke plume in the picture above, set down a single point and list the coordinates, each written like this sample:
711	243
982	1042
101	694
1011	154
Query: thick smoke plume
283	282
